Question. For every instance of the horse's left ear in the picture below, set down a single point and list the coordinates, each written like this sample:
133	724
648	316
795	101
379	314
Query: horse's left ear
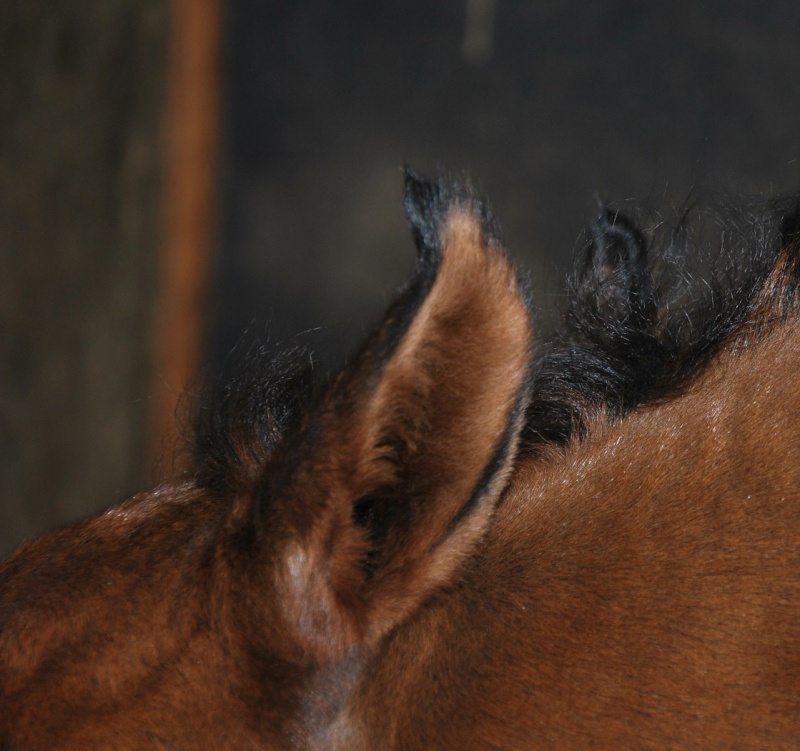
384	492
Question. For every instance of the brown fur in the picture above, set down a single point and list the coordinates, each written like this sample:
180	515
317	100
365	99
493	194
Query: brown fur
641	593
390	575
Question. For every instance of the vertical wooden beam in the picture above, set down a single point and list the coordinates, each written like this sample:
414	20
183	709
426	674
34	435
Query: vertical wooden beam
192	135
81	199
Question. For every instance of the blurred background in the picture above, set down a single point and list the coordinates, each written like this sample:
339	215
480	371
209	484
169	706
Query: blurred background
181	178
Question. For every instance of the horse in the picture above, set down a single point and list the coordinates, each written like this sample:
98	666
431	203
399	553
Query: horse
469	537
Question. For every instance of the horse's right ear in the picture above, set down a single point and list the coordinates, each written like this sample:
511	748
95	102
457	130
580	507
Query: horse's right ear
382	494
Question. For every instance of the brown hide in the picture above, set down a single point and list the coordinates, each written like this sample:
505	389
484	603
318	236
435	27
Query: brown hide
642	592
386	572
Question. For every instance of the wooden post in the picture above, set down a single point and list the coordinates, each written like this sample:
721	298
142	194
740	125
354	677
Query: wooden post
192	134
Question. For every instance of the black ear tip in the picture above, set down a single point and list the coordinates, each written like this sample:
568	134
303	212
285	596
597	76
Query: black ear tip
428	202
419	195
422	203
613	229
412	177
610	220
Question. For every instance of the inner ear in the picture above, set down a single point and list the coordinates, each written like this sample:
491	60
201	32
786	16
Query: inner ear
380	515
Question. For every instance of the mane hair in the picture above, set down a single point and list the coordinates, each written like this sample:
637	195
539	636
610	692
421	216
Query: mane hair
240	425
648	309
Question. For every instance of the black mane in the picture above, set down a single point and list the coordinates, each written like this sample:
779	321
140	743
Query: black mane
244	419
648	310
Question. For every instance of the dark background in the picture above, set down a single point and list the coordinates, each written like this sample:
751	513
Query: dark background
547	105
570	101
81	111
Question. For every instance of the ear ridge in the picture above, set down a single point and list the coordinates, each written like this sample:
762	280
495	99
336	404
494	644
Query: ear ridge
417	439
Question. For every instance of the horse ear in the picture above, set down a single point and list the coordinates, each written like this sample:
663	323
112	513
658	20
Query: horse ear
615	281
391	482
